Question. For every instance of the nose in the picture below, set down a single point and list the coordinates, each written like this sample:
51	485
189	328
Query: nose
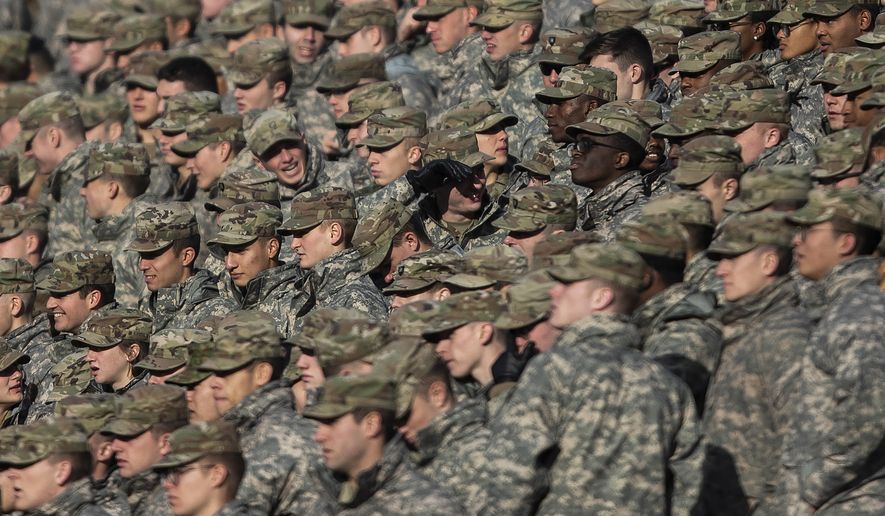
721	269
509	240
238	93
296	243
229	263
486	35
143	265
82	191
309	33
556	290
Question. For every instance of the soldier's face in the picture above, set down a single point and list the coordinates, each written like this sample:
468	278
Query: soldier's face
448	31
287	160
835	108
542	334
201	403
97	194
7	492
714	193
594	165
343	442
243	263
752	141
338	101
501	43
463	200
434	293
167	140
166	89
208	165
311	373
10	386
421	413
43	150
816	250
838	32
746	274
85	56
68	311
525	241
854	115
305	42
160	377
192	490
34	485
212	8
802	39
566	113
462	349
109	366
692	82
358	43
229	388
388	164
5	313
15	247
137	454
355	134
257	96
144	105
654	154
570	302
313	245
494	142
162	268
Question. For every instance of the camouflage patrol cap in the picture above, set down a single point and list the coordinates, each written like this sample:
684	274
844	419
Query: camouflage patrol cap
169	349
34	217
158	226
609	262
118	326
693	115
95	109
574	82
423	270
499	14
733	10
366	100
374	235
70	376
243	337
792	12
831	8
409	320
409	370
245	223
677	13
455	144
184	109
212	128
840	155
9	356
88	24
75	269
242	184
654	236
91	411
14	49
117	159
744	108
835	66
391	126
700	52
875	37
853	205
8	164
317	13
477	116
744	232
242	16
436	9
664	41
702	157
140	409
563	46
133	31
191	442
213	51
344	394
606	121
554	250
199	349
271	127
648	110
16	276
348	71
257	59
15	97
765	186
352	18
746	75
348	340
533	208
48	109
684	206
178	9
540	164
461	309
311	208
321	321
618	14
527	303
44	438
860	70
142	69
489	266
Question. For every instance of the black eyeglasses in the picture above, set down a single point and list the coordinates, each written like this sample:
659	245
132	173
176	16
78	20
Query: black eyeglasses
788	29
584	146
173	475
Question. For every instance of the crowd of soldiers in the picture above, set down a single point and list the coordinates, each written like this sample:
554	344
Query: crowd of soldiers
275	257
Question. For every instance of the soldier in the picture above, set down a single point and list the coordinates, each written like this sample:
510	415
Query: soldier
141	426
86	35
832	74
115	342
180	18
256	279
536	213
212	143
857	86
167	355
15	65
167	240
489	267
200	400
591	380
184	74
839	230
357	432
876	37
322	226
422	277
619	14
12	99
49	468
711	166
386	238
839	22
242	22
14	402
261	75
392	140
80	286
104	115
750	21
764	132
702	55
840	159
134	35
248	389
781	188
626	53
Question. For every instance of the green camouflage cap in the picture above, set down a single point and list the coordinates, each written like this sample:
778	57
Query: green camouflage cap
271	127
14	49
618	14
242	16
860	70
344	394
499	14
541	163
199	349
366	100
654	236
831	8
554	250
574	82
70	376
840	155
317	13
527	303
533	208
348	340
44	438
197	440
463	308
702	157
140	409
95	109
241	338
352	18
876	37
15	97
143	67
649	111
88	24
75	269
133	31
347	72
455	144
765	186
117	326
423	270
391	126
700	52
311	208
835	66
664	41
16	276
853	205
10	356
606	121
15	218
245	223
178	9
746	75
693	115
488	266
609	262
684	206
242	184
8	163
410	370
213	51
793	12
744	108
48	109
409	320
374	234
91	411
318	322
563	46
477	116
117	159
184	109
677	13
169	349
257	59
157	226
733	10
212	128
436	9
743	232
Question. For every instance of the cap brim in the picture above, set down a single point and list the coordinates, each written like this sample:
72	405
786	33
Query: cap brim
336	87
432	12
827	10
511	222
154	364
509	321
379	142
340	33
720	250
723	16
141	245
189	377
470	281
501	119
217	364
125	428
588	128
492	21
871	38
807	216
188	148
406	285
244	78
167	126
281	137
219	204
434	327
123	46
148	82
325	411
739	206
669	130
12	358
231	239
295	226
558	59
566	274
554	95
309	19
352	118
93	340
847	88
55	287
174	460
692	66
789	17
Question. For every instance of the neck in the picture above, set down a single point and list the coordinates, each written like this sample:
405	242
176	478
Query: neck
118	205
373	454
123	382
600	185
36	188
491	172
217	499
89	81
68	146
18	322
640	91
186	274
482	373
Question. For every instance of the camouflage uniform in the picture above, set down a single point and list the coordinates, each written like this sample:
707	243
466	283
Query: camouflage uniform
18	412
768	186
463	58
118	326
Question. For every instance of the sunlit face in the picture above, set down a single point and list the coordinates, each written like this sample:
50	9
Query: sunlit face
449	30
137	454
34	485
144	105
257	96
838	32
230	388
494	142
569	302
313	245
208	166
802	39
162	268
525	241
816	250
166	141
835	108
68	310
305	42
342	442
311	373
85	56
287	159
854	115
201	403
356	43
97	196
109	366
743	275
461	349
389	163
43	151
501	43
245	262
192	490
421	414
715	194
11	389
